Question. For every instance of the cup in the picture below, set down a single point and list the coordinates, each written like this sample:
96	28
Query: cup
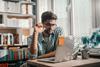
61	40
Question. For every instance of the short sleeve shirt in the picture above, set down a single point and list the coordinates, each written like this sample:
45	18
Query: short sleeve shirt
47	44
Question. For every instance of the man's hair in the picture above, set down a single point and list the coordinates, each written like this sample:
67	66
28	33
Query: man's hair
48	15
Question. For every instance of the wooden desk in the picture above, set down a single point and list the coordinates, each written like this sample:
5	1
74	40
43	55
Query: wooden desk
73	63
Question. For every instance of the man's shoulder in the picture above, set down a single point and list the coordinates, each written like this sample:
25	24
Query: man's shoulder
58	30
30	37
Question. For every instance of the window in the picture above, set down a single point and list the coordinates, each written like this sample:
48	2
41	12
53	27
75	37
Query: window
96	13
64	15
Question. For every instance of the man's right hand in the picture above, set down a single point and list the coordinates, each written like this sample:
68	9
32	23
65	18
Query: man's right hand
38	27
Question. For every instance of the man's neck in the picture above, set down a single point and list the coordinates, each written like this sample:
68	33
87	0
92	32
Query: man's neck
45	34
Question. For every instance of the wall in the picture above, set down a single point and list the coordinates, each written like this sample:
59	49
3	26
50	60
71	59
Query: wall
2	5
97	12
61	11
82	17
41	7
4	30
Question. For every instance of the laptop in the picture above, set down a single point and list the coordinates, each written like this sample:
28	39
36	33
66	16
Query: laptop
63	52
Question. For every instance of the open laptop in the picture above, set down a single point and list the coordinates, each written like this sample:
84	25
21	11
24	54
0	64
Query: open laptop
63	52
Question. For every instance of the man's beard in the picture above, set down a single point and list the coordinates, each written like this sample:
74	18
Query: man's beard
48	31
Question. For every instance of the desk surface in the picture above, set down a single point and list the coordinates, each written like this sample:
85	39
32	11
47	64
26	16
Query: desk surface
72	63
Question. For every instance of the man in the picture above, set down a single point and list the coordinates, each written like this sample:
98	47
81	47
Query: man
43	41
45	36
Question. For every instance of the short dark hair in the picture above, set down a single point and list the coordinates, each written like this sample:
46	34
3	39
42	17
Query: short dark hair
48	15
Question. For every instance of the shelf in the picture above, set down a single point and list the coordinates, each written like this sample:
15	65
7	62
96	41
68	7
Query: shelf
12	0
7	28
21	16
26	2
12	61
14	46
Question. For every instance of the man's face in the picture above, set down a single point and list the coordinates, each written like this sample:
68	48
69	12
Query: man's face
50	26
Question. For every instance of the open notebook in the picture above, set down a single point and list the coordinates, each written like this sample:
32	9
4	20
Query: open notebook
63	52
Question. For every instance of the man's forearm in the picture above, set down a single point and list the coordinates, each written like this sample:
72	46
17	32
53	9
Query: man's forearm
33	47
51	54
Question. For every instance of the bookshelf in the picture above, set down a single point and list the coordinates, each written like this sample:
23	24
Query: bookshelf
13	55
16	53
14	46
17	19
17	46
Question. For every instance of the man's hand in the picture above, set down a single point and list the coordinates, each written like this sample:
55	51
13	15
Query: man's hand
51	54
38	27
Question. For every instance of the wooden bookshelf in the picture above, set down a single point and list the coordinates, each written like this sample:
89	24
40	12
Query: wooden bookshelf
20	17
8	46
14	46
15	54
12	61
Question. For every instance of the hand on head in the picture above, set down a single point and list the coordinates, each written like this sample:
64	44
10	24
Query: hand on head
38	27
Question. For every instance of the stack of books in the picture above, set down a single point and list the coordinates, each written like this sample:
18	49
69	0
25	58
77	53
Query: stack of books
18	54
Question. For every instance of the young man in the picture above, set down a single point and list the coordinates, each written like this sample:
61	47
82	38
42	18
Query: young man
45	35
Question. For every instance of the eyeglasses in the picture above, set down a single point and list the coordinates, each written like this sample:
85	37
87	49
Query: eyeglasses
49	24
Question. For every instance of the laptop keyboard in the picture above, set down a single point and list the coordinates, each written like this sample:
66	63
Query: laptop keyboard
52	59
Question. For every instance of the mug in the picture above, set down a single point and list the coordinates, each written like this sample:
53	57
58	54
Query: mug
61	40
